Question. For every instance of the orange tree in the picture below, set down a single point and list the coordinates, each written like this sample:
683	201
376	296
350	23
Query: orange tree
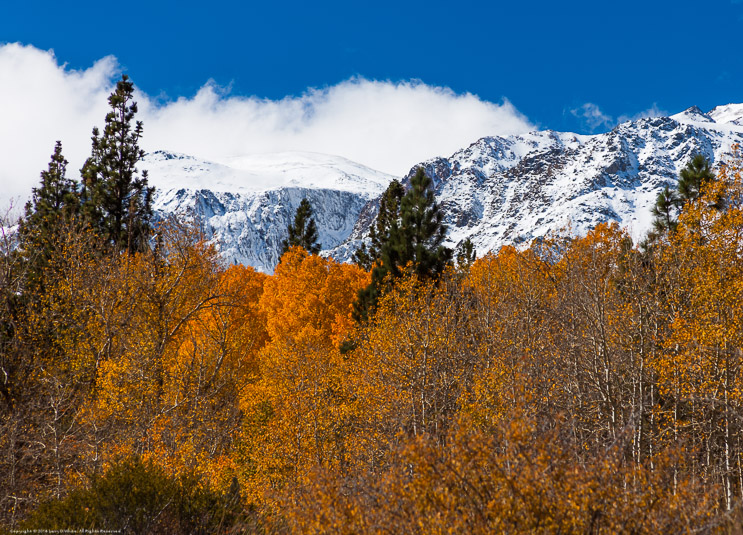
298	413
700	368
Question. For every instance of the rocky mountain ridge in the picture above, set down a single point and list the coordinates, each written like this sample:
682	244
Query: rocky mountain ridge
499	190
246	205
512	190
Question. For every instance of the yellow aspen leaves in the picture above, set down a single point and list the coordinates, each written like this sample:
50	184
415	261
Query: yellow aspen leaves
580	385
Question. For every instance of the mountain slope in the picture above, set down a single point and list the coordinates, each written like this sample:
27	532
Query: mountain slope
246	204
515	189
499	190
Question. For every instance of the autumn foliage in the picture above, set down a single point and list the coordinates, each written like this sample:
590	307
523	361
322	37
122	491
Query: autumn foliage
578	386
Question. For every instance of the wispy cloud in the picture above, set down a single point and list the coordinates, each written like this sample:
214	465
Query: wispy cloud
388	126
652	111
593	118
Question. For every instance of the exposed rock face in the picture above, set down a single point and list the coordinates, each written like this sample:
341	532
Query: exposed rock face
246	207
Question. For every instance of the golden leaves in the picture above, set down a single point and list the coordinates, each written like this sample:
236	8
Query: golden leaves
579	385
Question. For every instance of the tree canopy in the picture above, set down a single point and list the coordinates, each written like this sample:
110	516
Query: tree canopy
692	179
302	232
409	230
53	206
116	199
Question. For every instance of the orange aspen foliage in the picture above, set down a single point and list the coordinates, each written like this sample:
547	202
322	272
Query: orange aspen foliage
310	298
173	338
509	478
412	364
700	367
707	305
141	307
589	330
512	292
216	357
297	414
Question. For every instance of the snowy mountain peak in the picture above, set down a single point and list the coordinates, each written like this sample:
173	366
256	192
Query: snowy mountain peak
692	115
263	172
496	191
245	204
516	189
730	113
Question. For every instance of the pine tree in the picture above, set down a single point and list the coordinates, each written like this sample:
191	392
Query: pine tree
669	203
387	218
414	235
664	211
421	233
55	197
303	231
692	177
116	199
466	254
53	205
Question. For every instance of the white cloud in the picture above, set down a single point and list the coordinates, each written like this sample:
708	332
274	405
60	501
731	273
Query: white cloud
41	102
592	116
653	111
384	125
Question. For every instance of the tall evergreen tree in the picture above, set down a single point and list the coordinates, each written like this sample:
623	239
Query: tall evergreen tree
303	231
466	254
56	196
52	206
692	177
387	219
664	211
421	233
415	235
669	203
116	198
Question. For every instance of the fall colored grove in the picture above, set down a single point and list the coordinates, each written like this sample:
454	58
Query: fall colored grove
579	386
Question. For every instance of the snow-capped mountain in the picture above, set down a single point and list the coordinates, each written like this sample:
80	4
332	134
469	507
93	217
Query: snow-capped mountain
514	189
498	190
245	204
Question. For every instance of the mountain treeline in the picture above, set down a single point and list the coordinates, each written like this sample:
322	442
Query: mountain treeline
581	385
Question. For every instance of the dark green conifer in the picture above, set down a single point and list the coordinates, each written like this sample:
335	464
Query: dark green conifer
421	233
692	177
116	199
56	196
669	203
387	218
466	254
303	231
414	235
664	211
53	205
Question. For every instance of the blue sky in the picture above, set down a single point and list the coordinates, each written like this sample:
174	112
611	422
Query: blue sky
575	66
547	58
